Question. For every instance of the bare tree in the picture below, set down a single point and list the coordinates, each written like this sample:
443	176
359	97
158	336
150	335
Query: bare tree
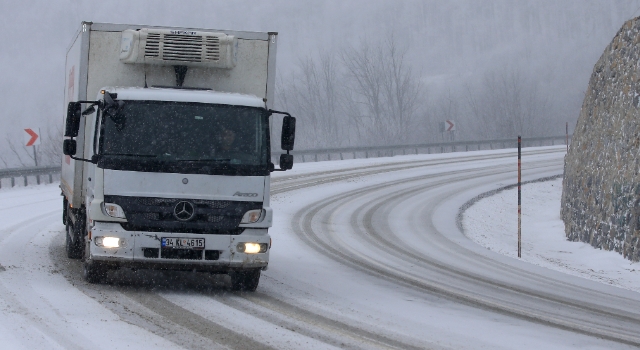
50	149
384	93
507	104
314	95
49	152
20	153
371	95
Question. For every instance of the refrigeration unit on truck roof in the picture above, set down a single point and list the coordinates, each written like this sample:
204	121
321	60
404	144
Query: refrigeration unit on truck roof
178	47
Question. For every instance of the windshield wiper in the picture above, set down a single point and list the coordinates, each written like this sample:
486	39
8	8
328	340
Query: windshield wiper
132	155
205	160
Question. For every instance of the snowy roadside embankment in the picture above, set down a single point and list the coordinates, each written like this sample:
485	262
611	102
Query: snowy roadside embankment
493	223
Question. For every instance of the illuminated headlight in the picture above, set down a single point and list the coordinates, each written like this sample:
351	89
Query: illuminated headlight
113	210
252	248
252	216
109	242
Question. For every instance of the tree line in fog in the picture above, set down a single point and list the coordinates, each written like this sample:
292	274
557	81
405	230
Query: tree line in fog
370	94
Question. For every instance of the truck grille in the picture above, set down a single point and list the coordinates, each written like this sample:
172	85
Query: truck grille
152	214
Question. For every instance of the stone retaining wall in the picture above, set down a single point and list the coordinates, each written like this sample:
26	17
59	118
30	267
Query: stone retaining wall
601	186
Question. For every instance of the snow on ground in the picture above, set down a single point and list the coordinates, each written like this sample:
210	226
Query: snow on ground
493	223
35	212
56	315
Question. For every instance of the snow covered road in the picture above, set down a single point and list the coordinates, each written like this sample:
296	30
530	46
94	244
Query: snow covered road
366	254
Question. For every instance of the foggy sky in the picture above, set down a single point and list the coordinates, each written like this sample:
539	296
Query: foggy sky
451	41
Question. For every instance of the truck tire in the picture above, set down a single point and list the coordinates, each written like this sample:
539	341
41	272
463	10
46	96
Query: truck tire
245	280
93	272
74	249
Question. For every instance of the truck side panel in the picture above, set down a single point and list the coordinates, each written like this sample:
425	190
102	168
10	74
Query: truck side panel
247	77
271	69
74	90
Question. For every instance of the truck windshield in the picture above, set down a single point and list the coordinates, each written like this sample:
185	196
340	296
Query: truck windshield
186	136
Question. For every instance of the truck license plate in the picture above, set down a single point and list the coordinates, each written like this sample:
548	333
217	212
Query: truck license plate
183	243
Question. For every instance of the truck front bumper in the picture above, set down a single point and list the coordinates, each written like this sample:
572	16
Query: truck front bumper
144	250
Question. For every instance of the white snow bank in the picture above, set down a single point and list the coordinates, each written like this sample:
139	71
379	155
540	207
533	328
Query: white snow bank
493	223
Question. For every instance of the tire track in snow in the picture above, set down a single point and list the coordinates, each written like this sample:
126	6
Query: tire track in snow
21	298
360	338
194	322
135	296
367	231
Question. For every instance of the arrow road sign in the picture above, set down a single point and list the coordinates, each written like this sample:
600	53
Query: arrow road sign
32	138
450	125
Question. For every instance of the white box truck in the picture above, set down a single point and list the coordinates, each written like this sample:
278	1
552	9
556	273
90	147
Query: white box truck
167	151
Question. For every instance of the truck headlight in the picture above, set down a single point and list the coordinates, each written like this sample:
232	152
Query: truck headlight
252	248
113	210
109	242
252	216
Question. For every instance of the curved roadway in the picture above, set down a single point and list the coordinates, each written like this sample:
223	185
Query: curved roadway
367	254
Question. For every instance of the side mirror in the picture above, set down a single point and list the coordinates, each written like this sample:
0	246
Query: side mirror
286	161
74	112
112	107
288	133
69	147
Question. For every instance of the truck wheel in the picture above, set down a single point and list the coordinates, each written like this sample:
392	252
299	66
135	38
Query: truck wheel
74	249
245	280
93	272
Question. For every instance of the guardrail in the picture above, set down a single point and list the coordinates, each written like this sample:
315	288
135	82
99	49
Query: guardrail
325	154
48	171
316	155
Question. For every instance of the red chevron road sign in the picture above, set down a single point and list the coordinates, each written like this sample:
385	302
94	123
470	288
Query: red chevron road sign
450	126
32	138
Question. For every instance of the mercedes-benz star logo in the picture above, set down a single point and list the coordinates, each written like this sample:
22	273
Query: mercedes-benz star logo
184	211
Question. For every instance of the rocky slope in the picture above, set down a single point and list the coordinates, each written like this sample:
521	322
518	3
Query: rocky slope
601	187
